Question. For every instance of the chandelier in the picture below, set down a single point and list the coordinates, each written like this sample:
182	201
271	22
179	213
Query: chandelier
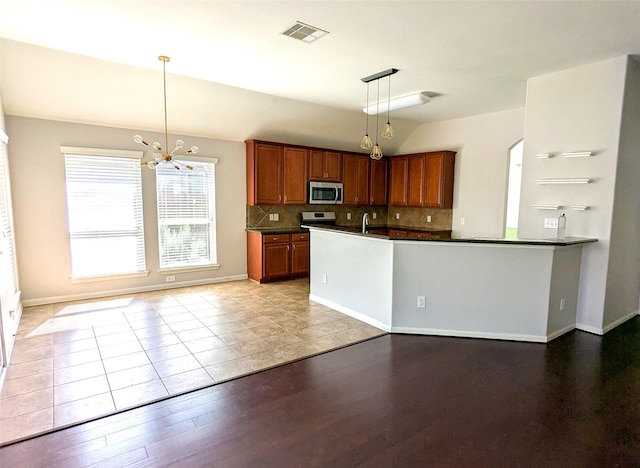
162	156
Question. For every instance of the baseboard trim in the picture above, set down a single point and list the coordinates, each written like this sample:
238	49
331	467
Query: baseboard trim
351	313
119	292
471	334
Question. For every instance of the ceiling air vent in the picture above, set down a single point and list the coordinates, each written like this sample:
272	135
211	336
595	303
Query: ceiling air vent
304	32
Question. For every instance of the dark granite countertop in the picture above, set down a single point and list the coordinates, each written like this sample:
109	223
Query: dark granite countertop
382	232
291	230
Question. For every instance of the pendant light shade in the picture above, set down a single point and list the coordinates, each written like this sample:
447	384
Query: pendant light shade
388	129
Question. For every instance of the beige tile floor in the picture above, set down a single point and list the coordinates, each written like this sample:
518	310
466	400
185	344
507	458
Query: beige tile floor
76	361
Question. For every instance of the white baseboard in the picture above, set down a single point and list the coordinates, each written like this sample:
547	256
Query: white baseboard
351	313
620	321
119	292
561	332
470	334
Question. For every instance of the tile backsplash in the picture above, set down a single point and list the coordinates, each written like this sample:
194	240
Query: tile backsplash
289	216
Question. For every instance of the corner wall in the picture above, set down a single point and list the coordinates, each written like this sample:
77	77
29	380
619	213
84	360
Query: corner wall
623	280
40	213
576	110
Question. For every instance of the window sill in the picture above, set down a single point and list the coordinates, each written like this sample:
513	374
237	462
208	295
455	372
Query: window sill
92	279
188	269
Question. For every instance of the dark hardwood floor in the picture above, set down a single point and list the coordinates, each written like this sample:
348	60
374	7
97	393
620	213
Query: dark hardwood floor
396	400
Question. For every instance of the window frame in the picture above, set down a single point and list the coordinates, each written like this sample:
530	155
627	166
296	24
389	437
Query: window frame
138	210
212	234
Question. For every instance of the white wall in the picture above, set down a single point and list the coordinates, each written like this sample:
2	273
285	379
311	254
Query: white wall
575	110
482	144
38	187
623	280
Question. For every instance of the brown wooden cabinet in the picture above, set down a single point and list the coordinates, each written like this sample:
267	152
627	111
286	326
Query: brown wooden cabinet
422	180
398	174
355	176
300	254
378	182
276	174
273	257
415	180
325	165
439	179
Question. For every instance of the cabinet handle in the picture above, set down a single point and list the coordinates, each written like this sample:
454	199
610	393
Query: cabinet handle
275	238
279	197
288	246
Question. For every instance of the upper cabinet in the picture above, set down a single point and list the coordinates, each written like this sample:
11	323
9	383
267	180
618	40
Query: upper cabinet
422	180
398	180
356	179
325	165
439	179
378	182
276	174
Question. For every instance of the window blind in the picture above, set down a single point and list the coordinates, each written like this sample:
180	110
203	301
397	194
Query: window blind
186	215
104	204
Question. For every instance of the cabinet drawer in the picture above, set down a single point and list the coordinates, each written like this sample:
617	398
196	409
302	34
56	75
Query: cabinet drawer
299	237
273	238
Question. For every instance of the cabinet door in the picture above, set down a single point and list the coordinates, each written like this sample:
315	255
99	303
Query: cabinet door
378	182
333	166
268	174
362	180
439	180
349	179
415	196
300	257
316	165
295	176
398	181
276	258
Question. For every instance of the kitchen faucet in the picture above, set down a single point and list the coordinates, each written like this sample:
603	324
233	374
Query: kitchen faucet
365	222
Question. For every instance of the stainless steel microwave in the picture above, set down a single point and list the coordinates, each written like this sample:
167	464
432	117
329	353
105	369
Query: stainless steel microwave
325	193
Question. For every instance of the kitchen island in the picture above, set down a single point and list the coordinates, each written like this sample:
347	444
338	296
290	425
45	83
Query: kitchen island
511	289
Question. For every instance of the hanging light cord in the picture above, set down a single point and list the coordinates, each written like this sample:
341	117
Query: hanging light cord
389	100
366	128
377	111
164	83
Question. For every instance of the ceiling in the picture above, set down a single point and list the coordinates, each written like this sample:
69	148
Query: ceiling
233	76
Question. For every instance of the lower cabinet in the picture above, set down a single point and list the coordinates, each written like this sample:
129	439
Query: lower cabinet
273	257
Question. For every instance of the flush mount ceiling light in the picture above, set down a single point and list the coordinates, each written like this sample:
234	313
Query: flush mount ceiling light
410	100
366	144
164	156
304	32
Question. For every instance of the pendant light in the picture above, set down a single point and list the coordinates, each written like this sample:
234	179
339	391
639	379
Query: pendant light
164	156
376	151
388	129
366	143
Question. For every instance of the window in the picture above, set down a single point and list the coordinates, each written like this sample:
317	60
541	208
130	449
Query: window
513	193
8	275
186	215
104	203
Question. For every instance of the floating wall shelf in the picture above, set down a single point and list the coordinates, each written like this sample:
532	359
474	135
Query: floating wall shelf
578	154
562	181
580	207
546	207
544	155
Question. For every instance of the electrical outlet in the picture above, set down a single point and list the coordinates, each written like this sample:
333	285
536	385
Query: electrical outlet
276	217
324	278
270	217
428	218
374	215
551	223
170	279
348	215
462	221
421	302
397	215
562	304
